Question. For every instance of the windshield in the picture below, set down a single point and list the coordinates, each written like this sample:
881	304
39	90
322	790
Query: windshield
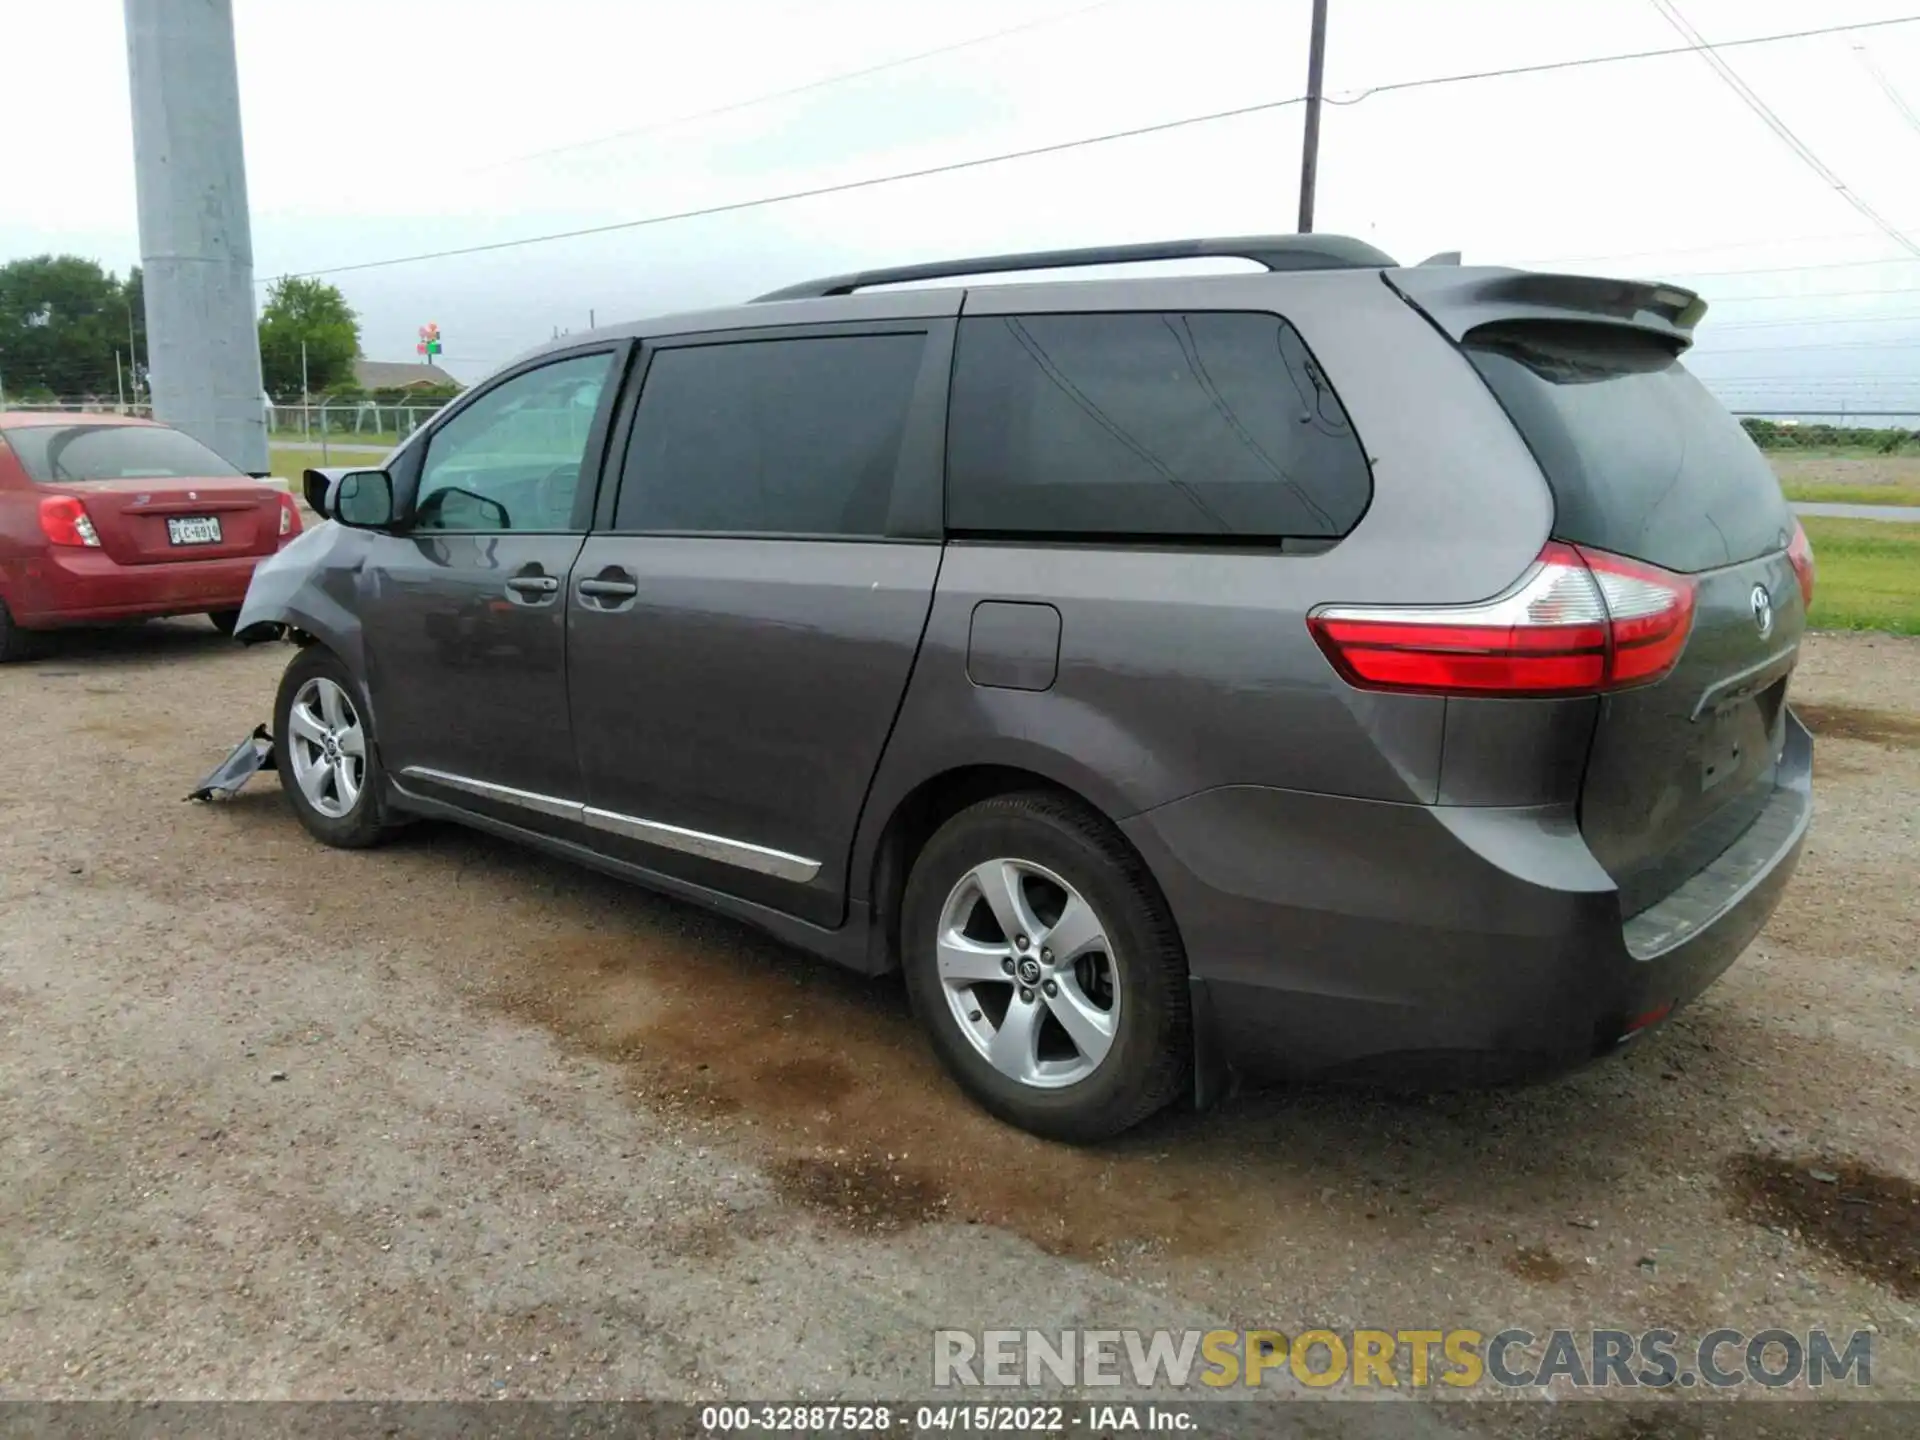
68	454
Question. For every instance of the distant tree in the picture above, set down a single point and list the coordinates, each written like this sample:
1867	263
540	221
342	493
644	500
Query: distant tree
61	318
316	313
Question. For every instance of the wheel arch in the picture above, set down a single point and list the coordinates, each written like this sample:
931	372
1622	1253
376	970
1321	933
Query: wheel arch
914	817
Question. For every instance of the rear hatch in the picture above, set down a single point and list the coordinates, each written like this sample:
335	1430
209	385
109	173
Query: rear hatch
1644	462
154	495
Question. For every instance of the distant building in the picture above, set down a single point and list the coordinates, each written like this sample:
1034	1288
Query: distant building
399	375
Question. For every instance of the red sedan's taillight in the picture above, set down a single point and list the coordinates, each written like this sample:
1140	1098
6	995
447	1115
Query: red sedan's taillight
1578	622
64	521
1800	555
289	517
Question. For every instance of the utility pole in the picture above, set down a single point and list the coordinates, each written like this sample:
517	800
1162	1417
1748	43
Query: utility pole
1310	151
306	396
119	385
196	244
133	352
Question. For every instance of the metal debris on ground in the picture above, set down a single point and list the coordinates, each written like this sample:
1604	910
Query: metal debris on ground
251	755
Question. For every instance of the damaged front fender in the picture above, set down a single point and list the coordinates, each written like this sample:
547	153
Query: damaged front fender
303	590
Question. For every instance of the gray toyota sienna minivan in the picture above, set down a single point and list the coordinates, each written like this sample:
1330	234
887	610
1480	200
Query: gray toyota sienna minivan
1348	669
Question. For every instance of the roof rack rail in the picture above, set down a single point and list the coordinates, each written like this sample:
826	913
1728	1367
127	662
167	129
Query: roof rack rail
1275	252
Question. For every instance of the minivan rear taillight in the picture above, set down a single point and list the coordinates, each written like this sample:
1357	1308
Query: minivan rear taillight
289	517
1800	555
64	521
1579	621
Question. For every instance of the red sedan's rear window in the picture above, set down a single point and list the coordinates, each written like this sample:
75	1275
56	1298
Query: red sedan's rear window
69	454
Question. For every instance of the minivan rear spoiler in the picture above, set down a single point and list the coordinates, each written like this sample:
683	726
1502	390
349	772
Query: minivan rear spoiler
1461	300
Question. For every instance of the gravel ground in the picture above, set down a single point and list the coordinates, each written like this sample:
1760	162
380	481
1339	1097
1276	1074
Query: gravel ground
447	1119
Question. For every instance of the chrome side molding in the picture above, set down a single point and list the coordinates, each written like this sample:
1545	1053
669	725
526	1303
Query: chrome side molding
505	794
758	858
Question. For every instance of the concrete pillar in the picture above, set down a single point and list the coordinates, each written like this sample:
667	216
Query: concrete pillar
196	243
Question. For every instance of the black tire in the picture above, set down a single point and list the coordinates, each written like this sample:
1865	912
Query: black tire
1150	1059
366	821
224	620
15	643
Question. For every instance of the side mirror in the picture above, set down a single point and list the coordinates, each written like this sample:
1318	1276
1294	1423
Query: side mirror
315	486
364	500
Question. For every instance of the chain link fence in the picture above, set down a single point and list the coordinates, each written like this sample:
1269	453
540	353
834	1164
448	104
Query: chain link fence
357	424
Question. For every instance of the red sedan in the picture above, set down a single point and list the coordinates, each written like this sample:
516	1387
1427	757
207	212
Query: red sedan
106	518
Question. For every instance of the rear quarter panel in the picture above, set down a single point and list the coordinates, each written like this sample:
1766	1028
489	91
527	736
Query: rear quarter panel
1183	668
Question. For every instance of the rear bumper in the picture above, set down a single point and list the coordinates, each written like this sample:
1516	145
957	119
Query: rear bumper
82	587
1408	944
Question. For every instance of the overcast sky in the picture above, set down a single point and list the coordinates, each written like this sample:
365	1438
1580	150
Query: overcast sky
382	128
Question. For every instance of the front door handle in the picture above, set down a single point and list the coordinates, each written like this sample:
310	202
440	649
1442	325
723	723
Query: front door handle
533	587
605	588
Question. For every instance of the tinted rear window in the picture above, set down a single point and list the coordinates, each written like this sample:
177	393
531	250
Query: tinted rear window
66	454
1642	460
1164	424
795	437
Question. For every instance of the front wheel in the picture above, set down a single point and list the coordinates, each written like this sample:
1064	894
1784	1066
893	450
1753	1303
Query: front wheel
1041	959
323	749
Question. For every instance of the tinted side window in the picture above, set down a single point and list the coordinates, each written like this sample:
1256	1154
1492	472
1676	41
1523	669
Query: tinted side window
1164	424
797	437
511	460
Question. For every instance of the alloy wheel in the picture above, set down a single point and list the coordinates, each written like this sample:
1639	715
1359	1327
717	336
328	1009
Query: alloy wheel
328	747
1028	972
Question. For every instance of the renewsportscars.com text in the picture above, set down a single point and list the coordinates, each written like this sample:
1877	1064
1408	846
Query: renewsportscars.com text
1459	1359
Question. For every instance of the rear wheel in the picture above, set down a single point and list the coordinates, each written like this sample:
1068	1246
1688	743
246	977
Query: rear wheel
15	643
324	751
224	620
1045	967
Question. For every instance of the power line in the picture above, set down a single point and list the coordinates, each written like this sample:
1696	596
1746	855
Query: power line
812	192
1057	147
1551	65
1818	320
1779	295
1703	249
1708	353
1790	269
1899	101
792	90
1780	127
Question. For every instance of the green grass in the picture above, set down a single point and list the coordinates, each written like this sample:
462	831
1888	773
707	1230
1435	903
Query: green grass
1867	575
290	465
1898	493
385	440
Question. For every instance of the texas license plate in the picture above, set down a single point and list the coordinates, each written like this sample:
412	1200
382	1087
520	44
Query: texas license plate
199	530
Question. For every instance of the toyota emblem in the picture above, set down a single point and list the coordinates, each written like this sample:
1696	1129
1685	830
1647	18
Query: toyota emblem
1762	611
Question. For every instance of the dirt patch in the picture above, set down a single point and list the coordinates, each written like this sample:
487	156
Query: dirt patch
815	1055
1847	722
1537	1265
1866	1219
862	1193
